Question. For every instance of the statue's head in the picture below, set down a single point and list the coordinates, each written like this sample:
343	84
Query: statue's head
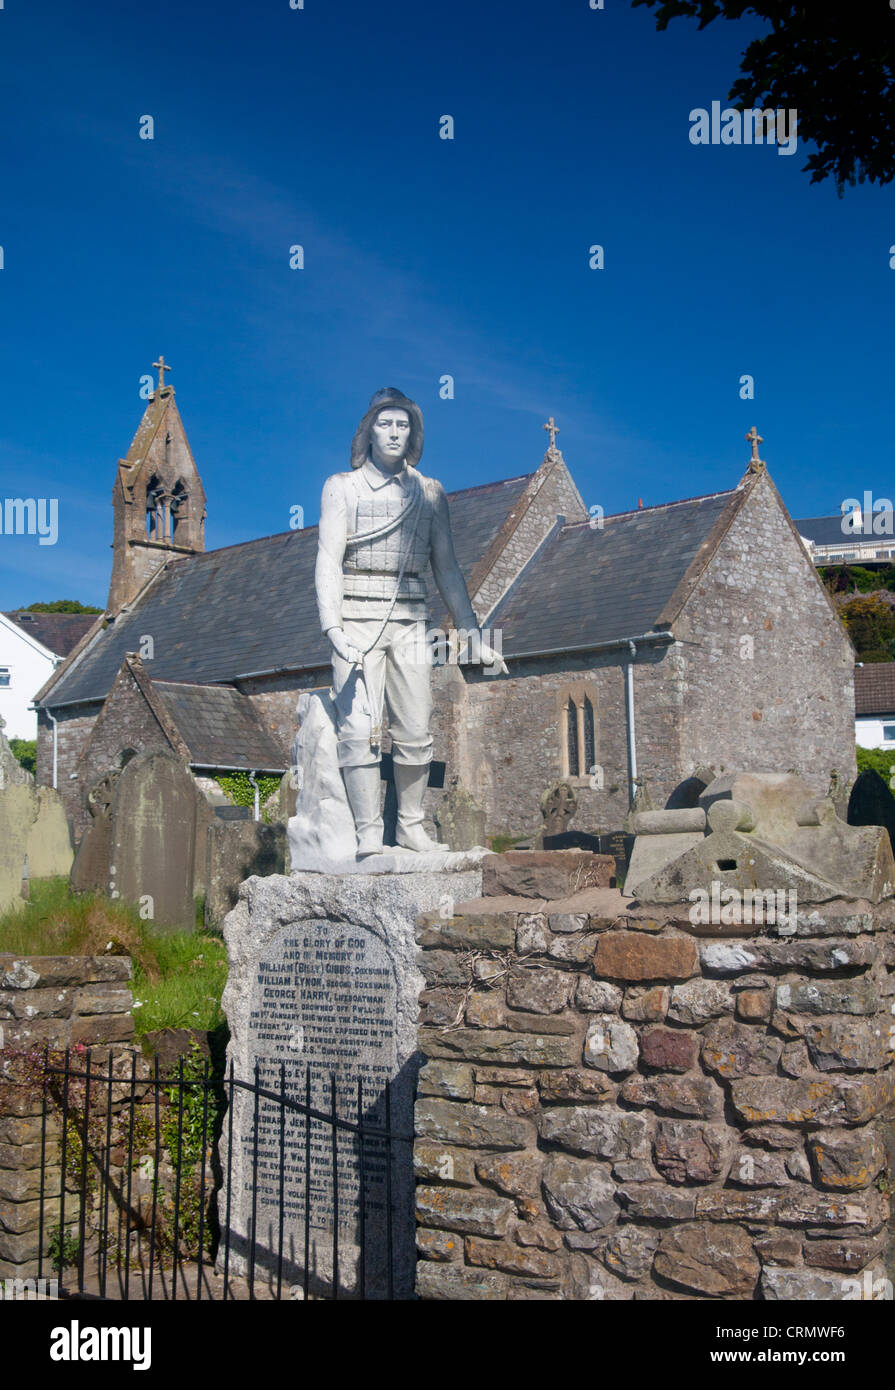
392	428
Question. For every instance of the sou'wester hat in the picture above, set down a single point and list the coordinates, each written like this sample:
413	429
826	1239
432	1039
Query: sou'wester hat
381	400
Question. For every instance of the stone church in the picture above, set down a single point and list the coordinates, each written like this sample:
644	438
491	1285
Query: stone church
644	649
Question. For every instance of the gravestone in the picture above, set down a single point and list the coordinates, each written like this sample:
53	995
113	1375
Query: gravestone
234	850
35	841
872	803
323	983
558	806
12	774
460	820
90	870
153	835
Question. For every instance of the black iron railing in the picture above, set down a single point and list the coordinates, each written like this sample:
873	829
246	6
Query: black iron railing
143	1205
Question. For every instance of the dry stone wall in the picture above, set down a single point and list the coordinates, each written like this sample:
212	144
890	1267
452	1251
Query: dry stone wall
618	1105
50	1002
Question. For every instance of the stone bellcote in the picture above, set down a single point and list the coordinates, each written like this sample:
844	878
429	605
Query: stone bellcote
158	499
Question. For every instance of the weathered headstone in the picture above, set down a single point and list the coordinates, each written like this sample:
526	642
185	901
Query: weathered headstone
323	983
287	795
236	849
153	838
559	803
35	841
90	870
460	820
12	774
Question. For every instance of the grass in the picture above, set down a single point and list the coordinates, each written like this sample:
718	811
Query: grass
178	976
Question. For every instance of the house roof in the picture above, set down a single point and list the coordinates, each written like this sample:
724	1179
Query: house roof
248	608
875	688
219	727
825	530
58	632
604	585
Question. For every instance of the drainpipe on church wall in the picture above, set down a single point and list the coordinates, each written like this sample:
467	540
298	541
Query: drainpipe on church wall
52	719
257	815
629	720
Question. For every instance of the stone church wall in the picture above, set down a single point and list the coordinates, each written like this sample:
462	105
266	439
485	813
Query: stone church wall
274	699
508	746
783	698
74	729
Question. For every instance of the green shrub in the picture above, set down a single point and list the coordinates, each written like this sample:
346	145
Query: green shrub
24	750
238	789
880	760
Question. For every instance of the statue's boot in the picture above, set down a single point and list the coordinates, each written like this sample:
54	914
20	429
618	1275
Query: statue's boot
411	780
363	785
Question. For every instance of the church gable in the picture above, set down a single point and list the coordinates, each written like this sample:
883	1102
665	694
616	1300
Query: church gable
549	493
768	668
131	719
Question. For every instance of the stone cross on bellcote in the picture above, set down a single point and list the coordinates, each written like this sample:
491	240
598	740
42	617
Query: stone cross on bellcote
162	367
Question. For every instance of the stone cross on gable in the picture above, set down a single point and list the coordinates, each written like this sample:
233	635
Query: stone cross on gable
553	430
163	367
754	438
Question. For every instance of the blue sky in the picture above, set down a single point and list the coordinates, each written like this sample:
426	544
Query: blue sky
423	257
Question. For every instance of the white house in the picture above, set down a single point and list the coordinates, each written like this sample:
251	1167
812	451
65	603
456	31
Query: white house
31	645
875	705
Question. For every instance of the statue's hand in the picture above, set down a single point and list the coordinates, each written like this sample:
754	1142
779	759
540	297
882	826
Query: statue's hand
342	647
492	658
475	649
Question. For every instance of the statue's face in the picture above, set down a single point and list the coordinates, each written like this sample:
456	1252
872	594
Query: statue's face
389	438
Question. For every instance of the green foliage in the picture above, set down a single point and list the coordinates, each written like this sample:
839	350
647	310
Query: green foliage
63	1248
831	62
24	750
870	622
183	1125
238	789
179	977
881	760
501	843
842	579
61	605
186	993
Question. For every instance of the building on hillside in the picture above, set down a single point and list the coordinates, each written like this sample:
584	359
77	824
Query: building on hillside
644	649
31	646
829	544
875	705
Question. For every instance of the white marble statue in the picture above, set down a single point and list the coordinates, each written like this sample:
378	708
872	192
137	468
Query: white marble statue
381	524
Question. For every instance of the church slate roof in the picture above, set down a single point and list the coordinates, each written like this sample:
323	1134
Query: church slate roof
248	608
603	585
219	727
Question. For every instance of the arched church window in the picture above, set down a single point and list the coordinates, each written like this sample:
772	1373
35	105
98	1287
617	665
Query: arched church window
572	744
578	730
155	509
587	720
179	509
